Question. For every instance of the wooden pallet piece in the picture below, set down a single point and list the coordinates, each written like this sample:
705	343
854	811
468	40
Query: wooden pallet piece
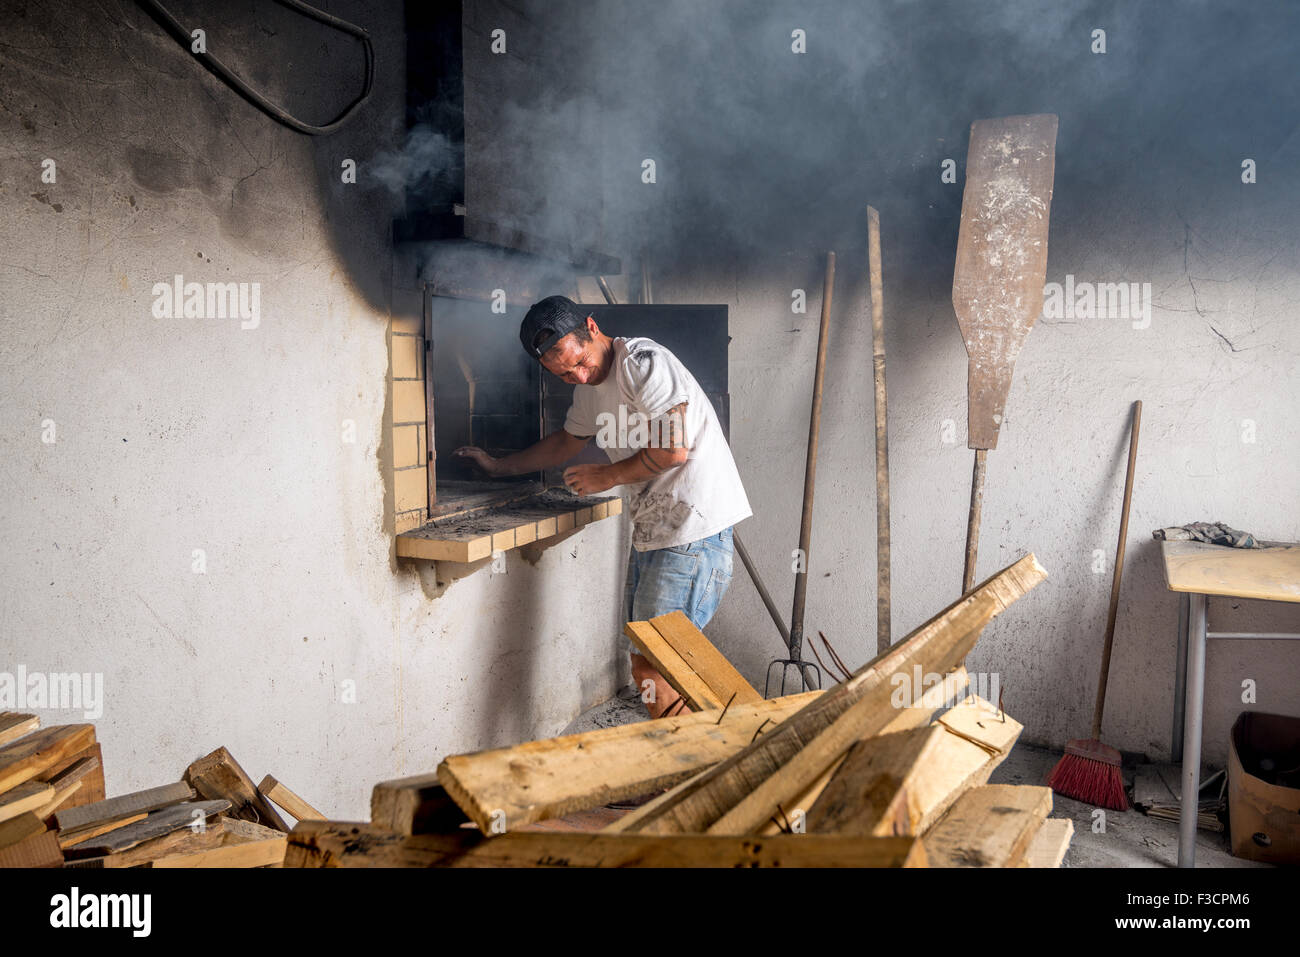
20	828
669	663
901	785
35	850
988	826
90	764
556	776
80	837
744	792
218	775
239	844
41	751
89	816
910	718
343	844
156	824
869	792
14	725
28	796
277	793
415	805
1050	844
700	655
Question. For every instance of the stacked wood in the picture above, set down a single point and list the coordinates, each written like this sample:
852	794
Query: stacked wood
847	777
54	813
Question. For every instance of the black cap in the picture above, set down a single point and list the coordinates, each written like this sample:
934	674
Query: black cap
549	321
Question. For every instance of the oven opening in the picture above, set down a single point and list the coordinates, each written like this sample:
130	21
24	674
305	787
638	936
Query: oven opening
485	391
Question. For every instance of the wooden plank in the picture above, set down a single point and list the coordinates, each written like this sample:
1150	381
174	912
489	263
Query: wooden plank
126	805
28	796
154	825
36	850
68	783
79	837
76	771
414	805
240	844
981	738
218	775
91	775
869	792
902	786
1049	846
746	790
669	663
40	751
144	853
989	826
14	725
916	715
274	791
62	795
1270	573
20	828
555	776
707	662
341	844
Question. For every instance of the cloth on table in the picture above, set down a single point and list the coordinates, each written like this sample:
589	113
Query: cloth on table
1212	533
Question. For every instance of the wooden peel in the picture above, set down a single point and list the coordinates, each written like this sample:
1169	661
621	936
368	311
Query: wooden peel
997	287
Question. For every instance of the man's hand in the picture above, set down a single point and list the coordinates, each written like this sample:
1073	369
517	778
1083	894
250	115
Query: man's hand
480	458
588	479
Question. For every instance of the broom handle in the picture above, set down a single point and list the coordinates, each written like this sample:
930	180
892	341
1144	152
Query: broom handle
1119	571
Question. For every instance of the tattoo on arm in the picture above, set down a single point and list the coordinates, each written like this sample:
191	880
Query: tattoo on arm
648	462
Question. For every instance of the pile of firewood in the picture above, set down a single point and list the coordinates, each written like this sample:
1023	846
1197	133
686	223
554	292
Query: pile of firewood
860	775
54	813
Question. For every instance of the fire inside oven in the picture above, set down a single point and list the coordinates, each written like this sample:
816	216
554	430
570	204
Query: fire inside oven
484	390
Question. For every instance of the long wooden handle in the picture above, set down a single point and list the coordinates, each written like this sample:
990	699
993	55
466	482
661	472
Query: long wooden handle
1118	574
882	432
973	520
810	466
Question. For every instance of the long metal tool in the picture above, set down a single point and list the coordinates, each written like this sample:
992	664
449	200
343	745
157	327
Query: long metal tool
882	431
795	645
997	287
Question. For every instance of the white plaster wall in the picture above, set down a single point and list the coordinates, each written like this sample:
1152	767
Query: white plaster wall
183	434
1055	482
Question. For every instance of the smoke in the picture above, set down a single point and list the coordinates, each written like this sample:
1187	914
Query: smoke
419	166
757	147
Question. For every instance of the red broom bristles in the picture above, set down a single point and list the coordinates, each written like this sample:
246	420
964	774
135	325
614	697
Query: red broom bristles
1092	782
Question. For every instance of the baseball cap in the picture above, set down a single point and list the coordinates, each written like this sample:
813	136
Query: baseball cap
549	321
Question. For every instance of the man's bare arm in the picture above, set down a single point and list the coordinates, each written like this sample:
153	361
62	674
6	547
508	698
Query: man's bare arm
647	463
555	449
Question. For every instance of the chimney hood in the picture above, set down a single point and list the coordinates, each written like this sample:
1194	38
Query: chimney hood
493	113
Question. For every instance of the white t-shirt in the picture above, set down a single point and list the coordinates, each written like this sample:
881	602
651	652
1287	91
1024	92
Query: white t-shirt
626	412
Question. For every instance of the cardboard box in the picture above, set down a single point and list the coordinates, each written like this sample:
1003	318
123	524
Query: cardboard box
1263	809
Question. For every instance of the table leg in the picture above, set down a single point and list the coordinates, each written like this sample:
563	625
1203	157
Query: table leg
1180	681
1195	691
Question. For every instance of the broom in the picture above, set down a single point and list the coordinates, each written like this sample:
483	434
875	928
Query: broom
1090	771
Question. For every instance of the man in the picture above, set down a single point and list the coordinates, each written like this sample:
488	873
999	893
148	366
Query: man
664	442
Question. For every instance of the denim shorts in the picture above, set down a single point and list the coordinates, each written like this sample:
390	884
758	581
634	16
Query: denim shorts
691	578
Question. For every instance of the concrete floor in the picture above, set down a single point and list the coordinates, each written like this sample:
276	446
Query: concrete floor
1130	838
